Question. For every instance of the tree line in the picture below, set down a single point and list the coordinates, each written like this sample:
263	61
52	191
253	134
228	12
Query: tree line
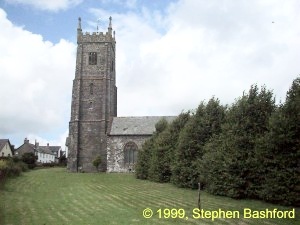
249	149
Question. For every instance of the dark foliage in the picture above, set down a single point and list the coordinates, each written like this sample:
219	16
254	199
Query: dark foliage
96	162
278	152
162	159
248	150
30	159
62	161
198	130
230	155
9	167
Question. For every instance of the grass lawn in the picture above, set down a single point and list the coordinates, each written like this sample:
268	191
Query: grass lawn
54	196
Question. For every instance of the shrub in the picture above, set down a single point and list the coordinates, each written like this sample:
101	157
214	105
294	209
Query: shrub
97	162
30	159
16	159
14	170
23	166
9	168
62	161
3	169
51	164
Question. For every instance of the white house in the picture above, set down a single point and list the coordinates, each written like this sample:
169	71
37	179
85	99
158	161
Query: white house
44	154
6	148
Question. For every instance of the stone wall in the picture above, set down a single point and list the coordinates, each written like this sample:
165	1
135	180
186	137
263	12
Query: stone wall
115	151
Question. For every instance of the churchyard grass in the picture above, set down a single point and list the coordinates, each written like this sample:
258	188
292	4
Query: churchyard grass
54	196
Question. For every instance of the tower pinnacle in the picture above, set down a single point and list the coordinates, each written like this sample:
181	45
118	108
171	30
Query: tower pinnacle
110	22
79	23
110	26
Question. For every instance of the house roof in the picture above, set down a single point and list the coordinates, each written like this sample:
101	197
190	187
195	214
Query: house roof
45	150
54	149
24	148
144	125
3	143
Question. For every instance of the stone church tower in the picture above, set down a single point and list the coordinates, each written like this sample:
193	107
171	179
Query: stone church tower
94	99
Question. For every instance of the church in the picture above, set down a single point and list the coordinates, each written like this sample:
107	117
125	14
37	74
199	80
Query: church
94	128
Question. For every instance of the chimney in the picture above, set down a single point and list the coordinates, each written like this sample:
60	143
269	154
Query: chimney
26	141
47	144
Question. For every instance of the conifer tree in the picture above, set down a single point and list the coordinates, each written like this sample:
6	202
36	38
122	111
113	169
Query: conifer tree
163	149
231	154
142	164
146	157
197	131
278	152
157	160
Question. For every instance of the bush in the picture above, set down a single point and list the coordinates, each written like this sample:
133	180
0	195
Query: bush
9	168
16	159
3	169
51	164
62	161
23	166
97	162
14	170
30	159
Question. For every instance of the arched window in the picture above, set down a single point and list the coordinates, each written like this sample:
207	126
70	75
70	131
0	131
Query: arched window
130	153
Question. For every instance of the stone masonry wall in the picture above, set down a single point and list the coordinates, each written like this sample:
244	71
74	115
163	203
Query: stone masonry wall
115	151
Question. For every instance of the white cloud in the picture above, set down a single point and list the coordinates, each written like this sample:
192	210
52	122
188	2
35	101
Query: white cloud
167	61
49	5
59	141
200	49
36	79
131	4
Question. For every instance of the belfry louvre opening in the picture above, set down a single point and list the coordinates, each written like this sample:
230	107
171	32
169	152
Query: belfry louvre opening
93	58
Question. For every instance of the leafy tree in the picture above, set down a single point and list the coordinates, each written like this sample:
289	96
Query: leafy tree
96	162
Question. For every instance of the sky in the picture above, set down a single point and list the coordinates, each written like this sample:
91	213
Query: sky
170	56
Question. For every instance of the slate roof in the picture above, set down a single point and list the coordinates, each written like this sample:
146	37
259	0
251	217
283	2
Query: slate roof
55	149
144	125
45	150
24	148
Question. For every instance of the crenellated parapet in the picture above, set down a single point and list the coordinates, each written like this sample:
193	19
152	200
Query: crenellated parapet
95	37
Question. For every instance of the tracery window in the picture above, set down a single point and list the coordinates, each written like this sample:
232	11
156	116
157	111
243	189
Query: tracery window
130	153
